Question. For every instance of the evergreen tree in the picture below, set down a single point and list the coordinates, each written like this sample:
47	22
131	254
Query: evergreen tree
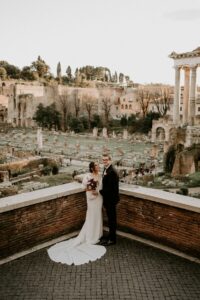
123	121
96	121
121	77
76	73
116	77
40	67
59	70
11	70
3	73
47	117
76	124
69	73
27	74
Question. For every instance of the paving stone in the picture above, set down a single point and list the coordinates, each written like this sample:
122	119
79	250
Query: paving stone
129	270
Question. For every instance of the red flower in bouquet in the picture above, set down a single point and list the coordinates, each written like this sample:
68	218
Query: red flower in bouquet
92	184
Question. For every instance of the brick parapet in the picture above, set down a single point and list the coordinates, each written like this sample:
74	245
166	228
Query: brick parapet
31	219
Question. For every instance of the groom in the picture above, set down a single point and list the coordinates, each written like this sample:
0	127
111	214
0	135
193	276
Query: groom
110	193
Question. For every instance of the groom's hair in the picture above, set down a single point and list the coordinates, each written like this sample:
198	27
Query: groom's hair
107	155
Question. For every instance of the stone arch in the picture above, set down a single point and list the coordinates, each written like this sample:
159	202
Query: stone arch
1	118
159	129
23	108
161	123
160	133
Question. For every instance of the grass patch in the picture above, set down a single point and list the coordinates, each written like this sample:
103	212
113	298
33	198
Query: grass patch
194	179
57	179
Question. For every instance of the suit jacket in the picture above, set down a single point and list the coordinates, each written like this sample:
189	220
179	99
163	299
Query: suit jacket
110	186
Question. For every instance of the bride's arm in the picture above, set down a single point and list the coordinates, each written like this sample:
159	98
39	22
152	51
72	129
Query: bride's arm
86	178
85	181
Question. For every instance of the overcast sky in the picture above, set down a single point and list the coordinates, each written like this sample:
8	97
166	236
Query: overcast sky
134	37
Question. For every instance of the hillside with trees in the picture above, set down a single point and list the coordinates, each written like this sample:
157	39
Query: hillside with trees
39	70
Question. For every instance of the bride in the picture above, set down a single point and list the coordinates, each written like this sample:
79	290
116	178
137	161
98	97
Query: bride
82	249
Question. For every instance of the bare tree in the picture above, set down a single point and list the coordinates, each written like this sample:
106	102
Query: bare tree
89	106
162	101
76	102
107	98
59	74
64	102
144	97
106	107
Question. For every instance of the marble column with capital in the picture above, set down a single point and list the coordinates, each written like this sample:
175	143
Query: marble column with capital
186	95
191	114
176	113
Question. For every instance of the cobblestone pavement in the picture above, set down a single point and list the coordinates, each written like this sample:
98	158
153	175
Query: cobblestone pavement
129	270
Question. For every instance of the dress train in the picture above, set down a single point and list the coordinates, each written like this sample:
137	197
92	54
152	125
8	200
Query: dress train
82	249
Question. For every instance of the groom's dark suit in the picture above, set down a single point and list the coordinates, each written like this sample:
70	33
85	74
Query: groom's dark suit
110	193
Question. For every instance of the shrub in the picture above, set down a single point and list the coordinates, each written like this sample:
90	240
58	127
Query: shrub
47	170
183	191
55	170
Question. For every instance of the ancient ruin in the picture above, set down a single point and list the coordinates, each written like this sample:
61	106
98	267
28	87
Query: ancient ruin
137	158
184	128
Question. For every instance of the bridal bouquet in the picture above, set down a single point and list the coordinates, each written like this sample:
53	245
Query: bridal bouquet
92	185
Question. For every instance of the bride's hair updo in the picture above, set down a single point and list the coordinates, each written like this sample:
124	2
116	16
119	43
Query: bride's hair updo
91	166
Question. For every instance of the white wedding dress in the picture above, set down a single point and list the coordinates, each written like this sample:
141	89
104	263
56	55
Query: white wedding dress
82	249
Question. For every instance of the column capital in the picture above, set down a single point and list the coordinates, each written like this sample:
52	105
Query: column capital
177	68
193	67
186	68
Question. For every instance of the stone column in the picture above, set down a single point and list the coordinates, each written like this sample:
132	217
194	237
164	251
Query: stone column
167	134
95	132
191	115
104	132
165	147
125	134
186	95
39	139
153	135
176	113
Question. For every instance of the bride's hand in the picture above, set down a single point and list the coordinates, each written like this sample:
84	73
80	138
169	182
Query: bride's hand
95	193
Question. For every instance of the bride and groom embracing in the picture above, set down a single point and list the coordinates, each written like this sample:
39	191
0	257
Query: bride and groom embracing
89	245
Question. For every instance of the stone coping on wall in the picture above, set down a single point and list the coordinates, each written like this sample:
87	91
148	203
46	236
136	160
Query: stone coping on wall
171	199
30	198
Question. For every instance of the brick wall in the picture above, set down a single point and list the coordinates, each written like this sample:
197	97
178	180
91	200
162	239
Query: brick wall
50	213
26	227
170	226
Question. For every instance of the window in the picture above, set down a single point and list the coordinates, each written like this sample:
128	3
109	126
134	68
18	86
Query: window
126	106
199	108
122	106
130	106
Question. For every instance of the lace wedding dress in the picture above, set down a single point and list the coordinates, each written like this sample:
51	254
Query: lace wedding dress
82	249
